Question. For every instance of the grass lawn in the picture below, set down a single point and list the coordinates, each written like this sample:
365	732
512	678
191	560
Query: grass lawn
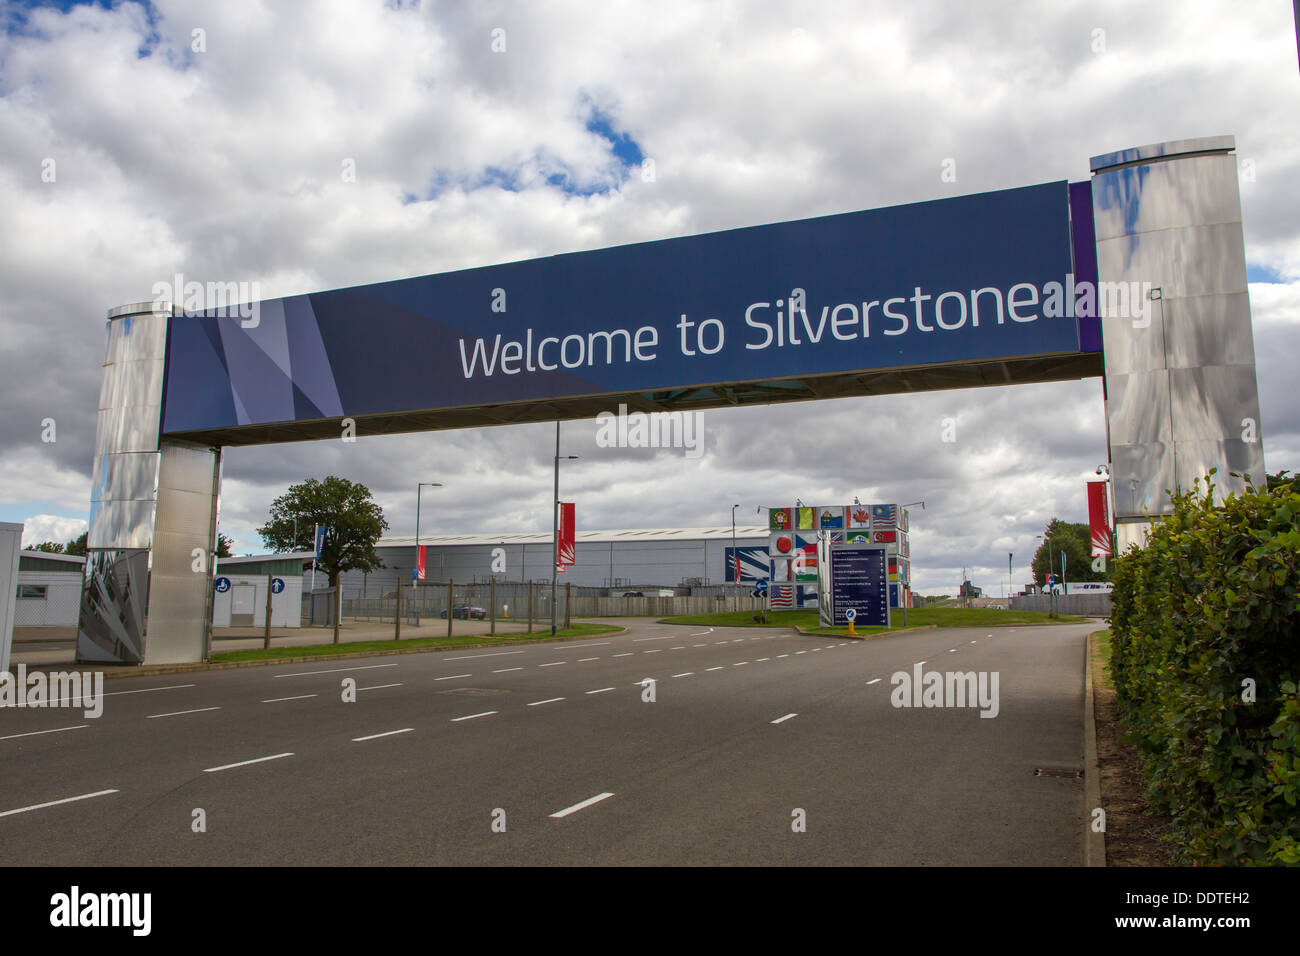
916	617
325	650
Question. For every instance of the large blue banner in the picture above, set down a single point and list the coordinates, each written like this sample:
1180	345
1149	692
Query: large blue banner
957	280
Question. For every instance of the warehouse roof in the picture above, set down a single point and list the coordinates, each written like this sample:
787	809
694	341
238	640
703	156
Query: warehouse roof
544	537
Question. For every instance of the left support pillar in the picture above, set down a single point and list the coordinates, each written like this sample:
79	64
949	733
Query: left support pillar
147	593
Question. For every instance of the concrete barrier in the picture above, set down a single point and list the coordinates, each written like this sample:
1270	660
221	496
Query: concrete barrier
659	606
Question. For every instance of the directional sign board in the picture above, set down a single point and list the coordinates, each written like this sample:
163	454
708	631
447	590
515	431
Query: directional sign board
859	582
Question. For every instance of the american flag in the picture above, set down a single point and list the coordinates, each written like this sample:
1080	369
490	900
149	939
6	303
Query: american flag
782	595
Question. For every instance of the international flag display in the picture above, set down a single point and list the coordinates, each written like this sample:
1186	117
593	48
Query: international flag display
780	519
859	517
782	596
830	516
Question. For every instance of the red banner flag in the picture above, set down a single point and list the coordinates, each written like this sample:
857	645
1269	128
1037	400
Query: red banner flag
1099	519
567	544
419	563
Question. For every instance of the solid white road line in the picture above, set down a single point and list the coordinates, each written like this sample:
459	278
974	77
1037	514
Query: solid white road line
874	681
55	803
36	733
470	657
506	670
276	700
486	713
386	733
581	806
379	687
335	670
781	720
245	763
601	691
549	700
181	713
459	676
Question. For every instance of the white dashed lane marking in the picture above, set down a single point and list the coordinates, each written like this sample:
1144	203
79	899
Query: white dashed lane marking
339	670
602	690
459	676
386	733
55	803
245	763
781	720
549	700
277	700
486	713
581	806
36	733
182	713
506	670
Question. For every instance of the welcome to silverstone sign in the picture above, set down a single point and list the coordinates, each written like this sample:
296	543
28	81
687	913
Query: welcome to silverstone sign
986	276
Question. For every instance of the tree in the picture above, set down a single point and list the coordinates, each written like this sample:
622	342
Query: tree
1282	482
77	546
1076	541
49	547
224	543
352	520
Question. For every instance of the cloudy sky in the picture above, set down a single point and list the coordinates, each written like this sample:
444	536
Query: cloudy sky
208	139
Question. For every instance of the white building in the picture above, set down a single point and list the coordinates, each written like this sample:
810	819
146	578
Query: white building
49	589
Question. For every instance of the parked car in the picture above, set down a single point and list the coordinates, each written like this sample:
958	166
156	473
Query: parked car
465	612
633	594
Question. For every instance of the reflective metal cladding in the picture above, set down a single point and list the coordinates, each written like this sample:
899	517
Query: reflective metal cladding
1181	390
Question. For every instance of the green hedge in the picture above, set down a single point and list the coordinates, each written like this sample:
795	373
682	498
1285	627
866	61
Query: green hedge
1211	602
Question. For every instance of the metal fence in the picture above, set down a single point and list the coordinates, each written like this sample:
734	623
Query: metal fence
512	601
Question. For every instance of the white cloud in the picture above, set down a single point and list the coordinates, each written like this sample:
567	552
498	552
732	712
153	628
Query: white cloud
227	165
40	528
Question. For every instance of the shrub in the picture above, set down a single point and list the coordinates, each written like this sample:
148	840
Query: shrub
1211	604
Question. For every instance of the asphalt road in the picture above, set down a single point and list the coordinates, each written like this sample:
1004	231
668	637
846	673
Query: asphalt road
750	732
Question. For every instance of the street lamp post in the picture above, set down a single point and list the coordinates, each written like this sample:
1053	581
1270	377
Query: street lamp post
1051	569
906	589
555	525
418	488
735	565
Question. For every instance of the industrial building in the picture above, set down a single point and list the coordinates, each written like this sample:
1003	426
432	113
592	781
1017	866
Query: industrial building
632	559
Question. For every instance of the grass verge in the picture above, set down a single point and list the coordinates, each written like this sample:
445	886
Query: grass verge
1135	835
916	617
353	647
